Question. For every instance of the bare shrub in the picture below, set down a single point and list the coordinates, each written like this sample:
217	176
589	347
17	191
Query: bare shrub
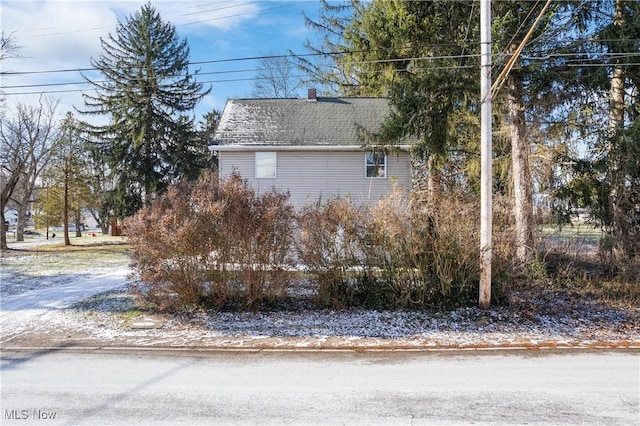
256	233
451	253
393	255
214	244
503	247
167	252
331	244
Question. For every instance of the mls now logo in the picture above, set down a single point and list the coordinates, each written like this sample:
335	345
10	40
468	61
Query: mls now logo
29	414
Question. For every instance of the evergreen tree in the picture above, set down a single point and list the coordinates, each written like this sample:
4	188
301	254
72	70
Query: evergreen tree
101	183
607	181
145	89
325	66
207	127
206	131
424	56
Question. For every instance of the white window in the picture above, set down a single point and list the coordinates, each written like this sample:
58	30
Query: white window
265	165
376	165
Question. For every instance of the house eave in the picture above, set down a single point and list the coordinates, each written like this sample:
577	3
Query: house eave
306	148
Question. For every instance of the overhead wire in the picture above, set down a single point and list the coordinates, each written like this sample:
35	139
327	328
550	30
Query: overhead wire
218	18
294	55
255	78
579	59
62	30
433	58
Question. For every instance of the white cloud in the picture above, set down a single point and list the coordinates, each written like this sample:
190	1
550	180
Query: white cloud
65	34
57	34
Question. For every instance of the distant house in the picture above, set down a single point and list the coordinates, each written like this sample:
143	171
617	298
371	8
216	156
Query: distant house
311	147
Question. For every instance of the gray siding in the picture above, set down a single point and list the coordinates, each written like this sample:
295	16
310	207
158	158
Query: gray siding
310	176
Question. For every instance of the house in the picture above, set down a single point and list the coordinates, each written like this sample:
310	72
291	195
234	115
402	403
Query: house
311	147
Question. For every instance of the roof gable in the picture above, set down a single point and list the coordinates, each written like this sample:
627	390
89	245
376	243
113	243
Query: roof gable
325	121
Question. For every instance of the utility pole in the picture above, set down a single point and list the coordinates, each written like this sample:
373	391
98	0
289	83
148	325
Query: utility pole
486	172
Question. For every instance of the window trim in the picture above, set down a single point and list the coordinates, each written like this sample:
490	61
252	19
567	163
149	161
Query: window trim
367	165
275	164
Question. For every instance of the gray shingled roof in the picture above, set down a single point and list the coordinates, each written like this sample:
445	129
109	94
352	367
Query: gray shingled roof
327	121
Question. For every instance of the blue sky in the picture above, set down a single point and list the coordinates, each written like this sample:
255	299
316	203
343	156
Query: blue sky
57	35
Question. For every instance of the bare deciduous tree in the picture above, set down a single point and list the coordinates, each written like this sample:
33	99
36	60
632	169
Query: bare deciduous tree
26	141
8	49
276	78
8	46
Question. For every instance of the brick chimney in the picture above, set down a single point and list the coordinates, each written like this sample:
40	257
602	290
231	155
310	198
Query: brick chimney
311	95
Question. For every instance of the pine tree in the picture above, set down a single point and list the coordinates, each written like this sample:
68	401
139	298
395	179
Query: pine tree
145	87
423	55
608	181
206	130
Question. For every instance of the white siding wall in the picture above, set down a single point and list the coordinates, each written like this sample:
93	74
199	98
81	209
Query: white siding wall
310	176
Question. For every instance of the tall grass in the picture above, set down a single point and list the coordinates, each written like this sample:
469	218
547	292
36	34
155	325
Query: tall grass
579	258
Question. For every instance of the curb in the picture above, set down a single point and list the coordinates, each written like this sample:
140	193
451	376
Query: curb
543	346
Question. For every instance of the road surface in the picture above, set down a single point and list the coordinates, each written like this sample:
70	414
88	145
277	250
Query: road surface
405	388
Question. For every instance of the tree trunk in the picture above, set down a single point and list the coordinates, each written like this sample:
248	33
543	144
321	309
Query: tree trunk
616	124
65	213
522	185
3	232
616	117
22	218
434	181
102	219
5	195
78	221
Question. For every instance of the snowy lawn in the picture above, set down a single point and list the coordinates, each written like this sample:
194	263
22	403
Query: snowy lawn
79	296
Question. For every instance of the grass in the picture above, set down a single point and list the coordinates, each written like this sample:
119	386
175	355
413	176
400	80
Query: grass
85	254
30	267
572	230
572	236
574	259
114	301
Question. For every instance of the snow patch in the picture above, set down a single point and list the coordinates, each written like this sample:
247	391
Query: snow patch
98	309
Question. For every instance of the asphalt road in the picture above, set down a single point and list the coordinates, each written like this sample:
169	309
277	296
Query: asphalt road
404	388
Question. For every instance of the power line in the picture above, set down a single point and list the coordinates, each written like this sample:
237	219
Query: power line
220	8
253	58
212	61
235	80
231	80
240	14
218	18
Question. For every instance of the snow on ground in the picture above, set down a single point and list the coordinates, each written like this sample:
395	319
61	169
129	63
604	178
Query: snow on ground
27	303
96	309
